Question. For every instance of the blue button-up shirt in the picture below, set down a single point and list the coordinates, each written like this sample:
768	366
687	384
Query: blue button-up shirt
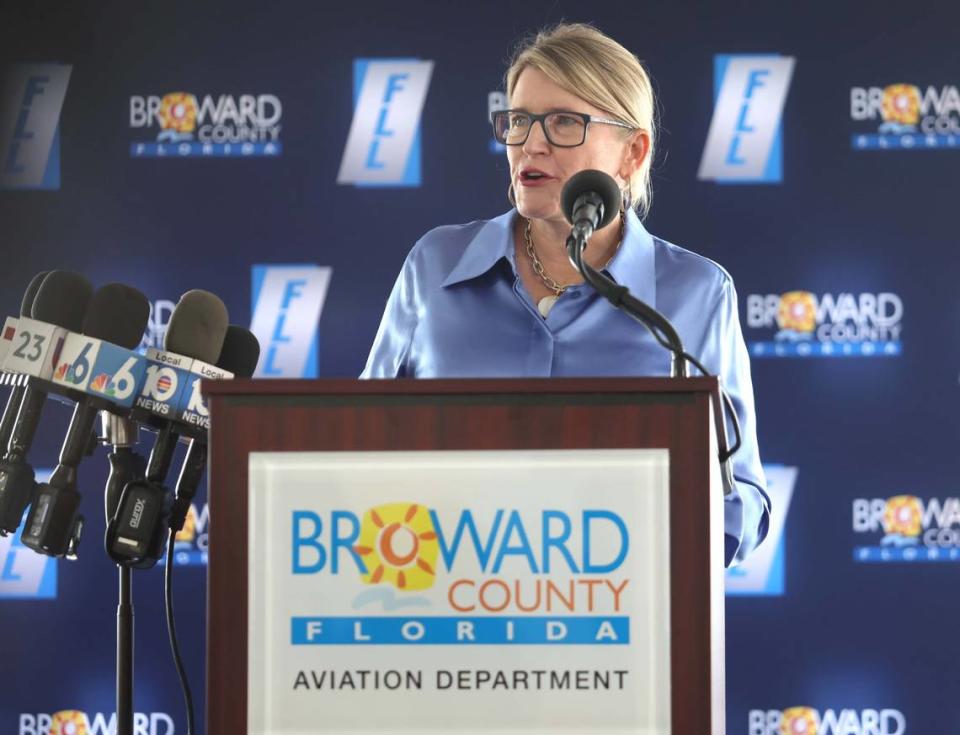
459	310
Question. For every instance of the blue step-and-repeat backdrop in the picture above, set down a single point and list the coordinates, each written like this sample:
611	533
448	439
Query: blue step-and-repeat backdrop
205	145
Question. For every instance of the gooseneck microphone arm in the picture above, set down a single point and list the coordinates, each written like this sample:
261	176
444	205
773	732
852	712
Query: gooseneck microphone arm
657	324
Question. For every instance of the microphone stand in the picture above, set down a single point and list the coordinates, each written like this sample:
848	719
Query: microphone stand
125	466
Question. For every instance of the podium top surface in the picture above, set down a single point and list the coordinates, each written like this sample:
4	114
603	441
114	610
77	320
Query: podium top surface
453	386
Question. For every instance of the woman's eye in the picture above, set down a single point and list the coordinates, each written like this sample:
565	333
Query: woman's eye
563	120
518	122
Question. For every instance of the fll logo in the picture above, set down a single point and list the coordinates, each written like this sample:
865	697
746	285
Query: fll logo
809	721
745	141
192	541
828	325
24	574
383	147
31	97
287	303
763	573
228	126
77	722
913	529
410	556
912	118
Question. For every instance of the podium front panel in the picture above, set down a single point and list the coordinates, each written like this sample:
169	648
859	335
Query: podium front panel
498	591
359	423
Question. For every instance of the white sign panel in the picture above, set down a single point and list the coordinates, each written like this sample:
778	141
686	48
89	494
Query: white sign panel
464	592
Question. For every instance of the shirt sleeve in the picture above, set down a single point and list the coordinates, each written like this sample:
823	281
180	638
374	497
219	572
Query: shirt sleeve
747	510
391	347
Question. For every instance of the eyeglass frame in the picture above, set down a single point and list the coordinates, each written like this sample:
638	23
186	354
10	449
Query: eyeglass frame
541	118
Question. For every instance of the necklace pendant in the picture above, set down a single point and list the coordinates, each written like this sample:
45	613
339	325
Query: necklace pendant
545	304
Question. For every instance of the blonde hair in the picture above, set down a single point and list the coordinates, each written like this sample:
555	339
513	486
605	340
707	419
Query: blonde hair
587	63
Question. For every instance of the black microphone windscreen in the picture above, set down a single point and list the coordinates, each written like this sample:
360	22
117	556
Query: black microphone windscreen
197	326
240	352
30	295
587	181
62	299
118	314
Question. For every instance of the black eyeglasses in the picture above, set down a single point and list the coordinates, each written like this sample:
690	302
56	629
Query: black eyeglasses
563	129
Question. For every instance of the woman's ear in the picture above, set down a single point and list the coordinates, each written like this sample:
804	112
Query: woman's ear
637	150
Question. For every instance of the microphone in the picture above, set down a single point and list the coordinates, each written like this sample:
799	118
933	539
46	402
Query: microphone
6	343
113	326
59	307
240	353
170	401
590	201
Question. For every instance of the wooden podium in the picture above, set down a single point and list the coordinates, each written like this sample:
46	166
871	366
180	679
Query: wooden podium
346	416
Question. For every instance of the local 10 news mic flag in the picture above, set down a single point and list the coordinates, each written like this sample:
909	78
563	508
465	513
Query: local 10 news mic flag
170	402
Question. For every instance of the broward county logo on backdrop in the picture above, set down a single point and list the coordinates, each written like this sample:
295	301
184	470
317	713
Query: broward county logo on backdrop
745	141
287	303
910	117
907	528
764	571
383	147
25	574
78	722
804	324
31	97
208	126
810	721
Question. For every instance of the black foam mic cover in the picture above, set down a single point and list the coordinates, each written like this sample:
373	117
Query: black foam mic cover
117	314
197	326
62	299
240	352
591	181
30	295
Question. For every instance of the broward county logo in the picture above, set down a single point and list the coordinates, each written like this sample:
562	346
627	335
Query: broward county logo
208	126
825	325
745	141
809	721
763	573
496	101
287	303
383	146
910	117
77	722
192	541
410	557
907	528
31	97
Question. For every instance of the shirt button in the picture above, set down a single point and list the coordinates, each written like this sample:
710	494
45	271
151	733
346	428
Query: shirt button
574	294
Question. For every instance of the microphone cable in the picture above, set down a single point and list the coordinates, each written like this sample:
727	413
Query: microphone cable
172	634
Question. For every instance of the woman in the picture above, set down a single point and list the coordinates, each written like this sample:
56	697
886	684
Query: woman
499	298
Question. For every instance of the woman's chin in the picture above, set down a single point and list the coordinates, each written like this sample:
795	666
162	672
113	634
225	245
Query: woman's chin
538	209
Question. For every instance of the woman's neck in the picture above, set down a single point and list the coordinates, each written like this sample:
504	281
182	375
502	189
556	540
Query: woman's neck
550	243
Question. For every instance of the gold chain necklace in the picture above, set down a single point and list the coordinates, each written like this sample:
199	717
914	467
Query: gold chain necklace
546	303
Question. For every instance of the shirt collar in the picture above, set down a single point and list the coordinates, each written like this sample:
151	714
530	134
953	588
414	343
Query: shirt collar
632	266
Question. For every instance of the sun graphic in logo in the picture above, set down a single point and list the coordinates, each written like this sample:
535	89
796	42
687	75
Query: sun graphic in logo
189	531
178	112
399	545
903	516
797	311
901	104
799	721
69	722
